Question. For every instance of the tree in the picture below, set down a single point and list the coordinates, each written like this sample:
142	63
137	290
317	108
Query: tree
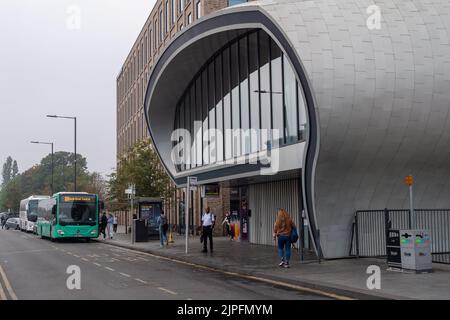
141	167
37	179
15	170
7	171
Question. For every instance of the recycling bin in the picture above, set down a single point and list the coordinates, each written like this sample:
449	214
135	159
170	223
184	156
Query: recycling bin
415	247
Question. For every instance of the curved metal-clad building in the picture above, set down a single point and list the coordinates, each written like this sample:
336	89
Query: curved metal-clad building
357	107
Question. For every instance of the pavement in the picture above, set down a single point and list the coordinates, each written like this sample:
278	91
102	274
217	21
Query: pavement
37	269
337	279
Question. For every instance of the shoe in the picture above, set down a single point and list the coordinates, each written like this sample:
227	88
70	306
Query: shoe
281	263
204	251
286	265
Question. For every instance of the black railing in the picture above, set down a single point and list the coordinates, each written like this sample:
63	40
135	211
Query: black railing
369	229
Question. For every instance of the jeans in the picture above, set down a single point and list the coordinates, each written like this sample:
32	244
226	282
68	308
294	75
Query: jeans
207	233
162	235
284	247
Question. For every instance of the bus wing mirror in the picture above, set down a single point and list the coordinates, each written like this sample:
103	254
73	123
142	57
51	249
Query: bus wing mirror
102	205
54	210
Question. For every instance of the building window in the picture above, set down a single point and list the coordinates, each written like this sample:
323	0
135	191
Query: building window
161	27
198	9
173	11
181	7
166	17
235	2
189	19
247	85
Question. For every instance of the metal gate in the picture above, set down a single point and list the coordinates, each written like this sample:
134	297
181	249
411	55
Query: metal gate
369	230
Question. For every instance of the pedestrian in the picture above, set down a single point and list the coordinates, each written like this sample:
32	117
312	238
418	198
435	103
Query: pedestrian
282	230
208	221
115	223
3	221
103	223
110	223
163	226
227	222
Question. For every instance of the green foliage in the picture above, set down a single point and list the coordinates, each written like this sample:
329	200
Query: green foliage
141	167
37	179
7	171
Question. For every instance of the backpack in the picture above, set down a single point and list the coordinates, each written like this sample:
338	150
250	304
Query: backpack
294	235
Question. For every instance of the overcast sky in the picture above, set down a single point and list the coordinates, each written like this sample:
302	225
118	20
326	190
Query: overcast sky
62	57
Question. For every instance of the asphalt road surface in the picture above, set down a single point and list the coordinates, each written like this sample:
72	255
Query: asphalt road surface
32	268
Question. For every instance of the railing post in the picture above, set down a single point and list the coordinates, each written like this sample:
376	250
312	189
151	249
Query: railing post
357	234
387	226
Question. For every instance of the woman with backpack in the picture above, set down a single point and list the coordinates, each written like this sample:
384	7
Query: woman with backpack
282	232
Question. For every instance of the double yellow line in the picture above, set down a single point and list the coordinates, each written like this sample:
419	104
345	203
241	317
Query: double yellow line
9	290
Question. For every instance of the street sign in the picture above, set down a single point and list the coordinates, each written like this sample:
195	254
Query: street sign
193	181
409	180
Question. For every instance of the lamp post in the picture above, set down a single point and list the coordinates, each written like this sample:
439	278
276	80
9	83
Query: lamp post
48	143
75	138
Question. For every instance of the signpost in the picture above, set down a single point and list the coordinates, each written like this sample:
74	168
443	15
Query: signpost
131	191
409	181
191	181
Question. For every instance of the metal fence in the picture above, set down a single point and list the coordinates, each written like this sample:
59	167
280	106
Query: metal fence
369	230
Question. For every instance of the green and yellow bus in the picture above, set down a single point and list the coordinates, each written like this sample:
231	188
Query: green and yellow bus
69	215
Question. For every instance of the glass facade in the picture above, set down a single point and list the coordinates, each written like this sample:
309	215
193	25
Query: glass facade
246	86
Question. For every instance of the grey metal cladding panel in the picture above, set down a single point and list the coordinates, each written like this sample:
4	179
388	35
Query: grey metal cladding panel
386	112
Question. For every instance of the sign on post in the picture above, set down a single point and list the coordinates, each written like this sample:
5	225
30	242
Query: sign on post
409	181
191	181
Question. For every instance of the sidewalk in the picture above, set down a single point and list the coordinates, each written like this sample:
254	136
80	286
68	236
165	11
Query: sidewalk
343	277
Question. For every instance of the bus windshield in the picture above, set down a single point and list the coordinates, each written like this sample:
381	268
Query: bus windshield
32	209
78	212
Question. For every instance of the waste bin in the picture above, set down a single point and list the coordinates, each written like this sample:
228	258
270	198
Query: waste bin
415	248
393	251
141	234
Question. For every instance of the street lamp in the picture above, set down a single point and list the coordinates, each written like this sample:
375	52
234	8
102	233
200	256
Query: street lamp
75	155
48	143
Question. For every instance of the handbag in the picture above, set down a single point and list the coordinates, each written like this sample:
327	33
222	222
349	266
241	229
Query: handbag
294	235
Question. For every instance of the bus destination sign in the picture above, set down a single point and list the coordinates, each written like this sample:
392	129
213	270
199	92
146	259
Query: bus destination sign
78	198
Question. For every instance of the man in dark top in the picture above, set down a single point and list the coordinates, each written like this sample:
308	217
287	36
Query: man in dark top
103	223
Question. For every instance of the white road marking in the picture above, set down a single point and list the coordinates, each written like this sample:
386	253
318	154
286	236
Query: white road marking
7	284
168	291
97	264
110	269
125	275
68	252
141	281
2	293
76	256
84	259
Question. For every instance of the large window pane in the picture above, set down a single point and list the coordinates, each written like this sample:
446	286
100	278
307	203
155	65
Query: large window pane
199	121
205	111
244	83
219	109
302	117
212	110
235	105
254	89
193	111
290	102
187	126
227	103
277	93
266	121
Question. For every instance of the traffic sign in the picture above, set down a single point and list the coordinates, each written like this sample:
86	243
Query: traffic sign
409	180
193	181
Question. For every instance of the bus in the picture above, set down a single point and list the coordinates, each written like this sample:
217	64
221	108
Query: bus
69	215
28	212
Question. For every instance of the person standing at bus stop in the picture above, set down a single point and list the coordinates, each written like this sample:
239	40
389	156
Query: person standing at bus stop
208	222
163	226
115	220
103	223
110	223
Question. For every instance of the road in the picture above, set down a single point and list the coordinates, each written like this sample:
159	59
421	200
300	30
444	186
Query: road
35	269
